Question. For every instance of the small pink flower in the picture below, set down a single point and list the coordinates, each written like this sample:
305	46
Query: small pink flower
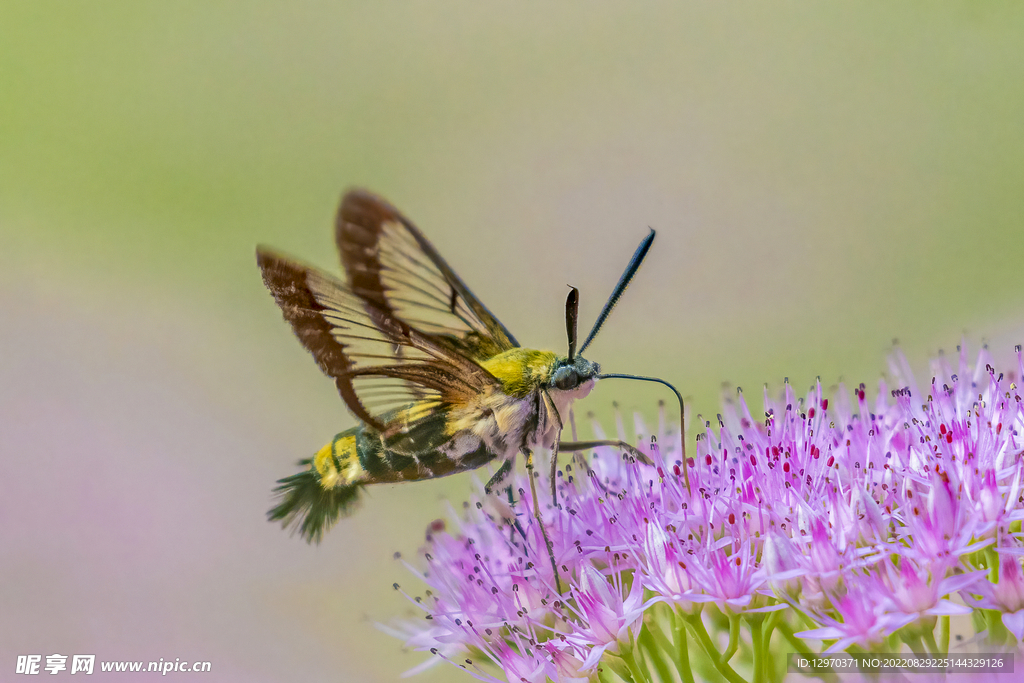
1006	595
730	579
666	571
523	665
863	621
567	665
781	563
609	620
915	591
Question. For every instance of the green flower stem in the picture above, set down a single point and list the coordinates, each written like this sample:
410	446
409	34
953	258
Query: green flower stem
682	650
997	633
978	621
700	634
654	653
734	637
657	632
769	628
603	675
929	638
617	665
912	638
992	560
944	633
827	675
629	657
787	633
757	638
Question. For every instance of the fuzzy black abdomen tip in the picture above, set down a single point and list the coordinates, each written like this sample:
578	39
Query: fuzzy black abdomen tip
307	507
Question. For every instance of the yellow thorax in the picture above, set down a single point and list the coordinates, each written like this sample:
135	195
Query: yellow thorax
521	371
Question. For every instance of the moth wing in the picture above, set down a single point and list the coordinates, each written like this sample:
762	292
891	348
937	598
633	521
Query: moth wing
393	268
380	363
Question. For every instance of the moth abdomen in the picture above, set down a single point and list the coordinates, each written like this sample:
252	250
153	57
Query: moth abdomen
328	488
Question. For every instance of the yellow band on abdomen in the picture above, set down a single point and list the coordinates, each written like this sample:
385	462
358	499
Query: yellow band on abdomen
337	463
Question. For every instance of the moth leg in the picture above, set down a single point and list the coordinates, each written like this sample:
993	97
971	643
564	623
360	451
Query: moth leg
554	473
498	477
582	463
514	524
551	409
614	443
540	521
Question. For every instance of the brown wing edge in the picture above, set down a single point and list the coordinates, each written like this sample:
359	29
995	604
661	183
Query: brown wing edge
287	282
358	227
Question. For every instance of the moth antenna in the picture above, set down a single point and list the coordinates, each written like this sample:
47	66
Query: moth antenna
682	413
634	265
572	312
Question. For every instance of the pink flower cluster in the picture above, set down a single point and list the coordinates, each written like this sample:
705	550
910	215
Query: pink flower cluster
827	523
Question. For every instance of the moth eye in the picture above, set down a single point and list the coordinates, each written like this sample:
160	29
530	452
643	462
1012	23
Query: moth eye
566	378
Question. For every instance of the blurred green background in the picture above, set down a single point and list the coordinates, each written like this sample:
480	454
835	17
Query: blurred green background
824	178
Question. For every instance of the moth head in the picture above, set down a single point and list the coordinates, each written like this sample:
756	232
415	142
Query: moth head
573	373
